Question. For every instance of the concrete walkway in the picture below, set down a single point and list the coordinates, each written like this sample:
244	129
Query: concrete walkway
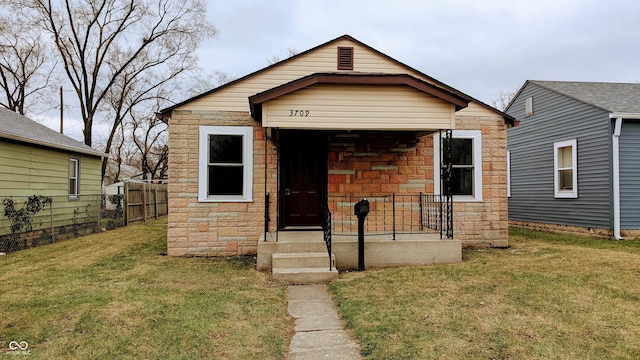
320	332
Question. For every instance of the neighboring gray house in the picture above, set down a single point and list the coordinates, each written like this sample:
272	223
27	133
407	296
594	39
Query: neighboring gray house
575	157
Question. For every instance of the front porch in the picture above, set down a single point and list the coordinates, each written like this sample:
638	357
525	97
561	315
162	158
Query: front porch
336	138
380	250
399	230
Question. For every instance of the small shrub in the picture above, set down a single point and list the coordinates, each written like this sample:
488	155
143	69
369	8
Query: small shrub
117	200
22	219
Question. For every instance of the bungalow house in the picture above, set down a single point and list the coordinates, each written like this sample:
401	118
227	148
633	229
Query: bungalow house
575	161
36	160
275	161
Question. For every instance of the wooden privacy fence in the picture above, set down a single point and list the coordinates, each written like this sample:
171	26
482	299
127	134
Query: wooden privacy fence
145	200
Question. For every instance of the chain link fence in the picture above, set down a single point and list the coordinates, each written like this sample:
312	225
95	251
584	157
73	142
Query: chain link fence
29	221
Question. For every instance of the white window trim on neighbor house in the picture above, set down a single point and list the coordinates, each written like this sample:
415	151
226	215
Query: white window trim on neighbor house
247	161
476	136
557	192
508	173
74	176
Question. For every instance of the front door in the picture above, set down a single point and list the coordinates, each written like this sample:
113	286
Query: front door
304	172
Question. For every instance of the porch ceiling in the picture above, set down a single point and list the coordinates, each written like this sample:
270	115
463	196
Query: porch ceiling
350	101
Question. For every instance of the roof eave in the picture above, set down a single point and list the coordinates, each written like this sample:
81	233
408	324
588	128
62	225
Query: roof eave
256	101
53	145
624	115
167	111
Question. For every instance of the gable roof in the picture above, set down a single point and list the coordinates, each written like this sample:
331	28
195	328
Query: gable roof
14	126
256	100
508	119
611	97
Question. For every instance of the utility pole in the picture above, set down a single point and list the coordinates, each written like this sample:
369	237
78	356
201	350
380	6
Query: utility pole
61	112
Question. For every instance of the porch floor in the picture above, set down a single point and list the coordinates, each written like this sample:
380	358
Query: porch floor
305	236
380	250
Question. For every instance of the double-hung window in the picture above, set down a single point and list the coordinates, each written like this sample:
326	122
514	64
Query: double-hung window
565	169
74	174
225	163
466	165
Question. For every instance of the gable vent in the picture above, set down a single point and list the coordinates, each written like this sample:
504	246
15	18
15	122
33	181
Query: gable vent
345	58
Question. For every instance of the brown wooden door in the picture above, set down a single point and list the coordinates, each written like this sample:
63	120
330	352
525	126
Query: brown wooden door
304	169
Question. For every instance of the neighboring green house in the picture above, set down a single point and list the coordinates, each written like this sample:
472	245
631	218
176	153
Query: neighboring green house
36	160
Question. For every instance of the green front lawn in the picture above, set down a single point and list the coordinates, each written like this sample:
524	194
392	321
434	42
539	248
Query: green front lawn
115	295
546	297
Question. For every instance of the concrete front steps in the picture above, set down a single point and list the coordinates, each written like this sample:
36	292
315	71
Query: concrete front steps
303	267
380	252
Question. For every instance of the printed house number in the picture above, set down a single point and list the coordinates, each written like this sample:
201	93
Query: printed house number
300	113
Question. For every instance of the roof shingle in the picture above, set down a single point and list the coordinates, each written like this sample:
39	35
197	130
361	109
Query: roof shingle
612	97
20	128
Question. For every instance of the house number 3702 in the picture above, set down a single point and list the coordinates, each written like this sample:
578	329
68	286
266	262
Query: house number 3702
300	113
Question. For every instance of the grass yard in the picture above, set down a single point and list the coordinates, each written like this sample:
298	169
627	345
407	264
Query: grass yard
113	295
546	297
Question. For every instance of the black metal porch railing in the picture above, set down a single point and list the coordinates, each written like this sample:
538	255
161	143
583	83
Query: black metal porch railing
437	214
326	228
392	214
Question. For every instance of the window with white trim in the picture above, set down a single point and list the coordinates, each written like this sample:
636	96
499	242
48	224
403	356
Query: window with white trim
225	163
466	161
508	173
565	169
74	174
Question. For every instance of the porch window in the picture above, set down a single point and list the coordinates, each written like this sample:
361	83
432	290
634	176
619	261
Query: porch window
226	163
565	177
466	163
74	171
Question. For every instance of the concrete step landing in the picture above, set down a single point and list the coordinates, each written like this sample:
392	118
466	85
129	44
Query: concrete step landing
303	268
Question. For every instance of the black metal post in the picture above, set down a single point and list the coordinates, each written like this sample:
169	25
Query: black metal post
361	210
393	213
361	218
266	215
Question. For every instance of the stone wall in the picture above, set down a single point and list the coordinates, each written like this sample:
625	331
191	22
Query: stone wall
370	163
213	229
486	223
359	162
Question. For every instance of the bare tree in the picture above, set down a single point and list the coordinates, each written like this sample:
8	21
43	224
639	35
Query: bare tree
105	46
150	137
200	83
120	154
276	58
503	100
25	62
142	86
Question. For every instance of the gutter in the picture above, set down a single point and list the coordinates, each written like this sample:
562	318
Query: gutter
615	140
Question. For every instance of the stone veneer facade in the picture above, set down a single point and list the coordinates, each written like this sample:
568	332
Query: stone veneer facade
358	163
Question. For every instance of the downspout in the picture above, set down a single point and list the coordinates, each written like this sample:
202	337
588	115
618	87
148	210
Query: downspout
616	167
615	139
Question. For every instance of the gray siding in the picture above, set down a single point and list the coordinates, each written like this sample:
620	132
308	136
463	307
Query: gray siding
630	175
558	118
